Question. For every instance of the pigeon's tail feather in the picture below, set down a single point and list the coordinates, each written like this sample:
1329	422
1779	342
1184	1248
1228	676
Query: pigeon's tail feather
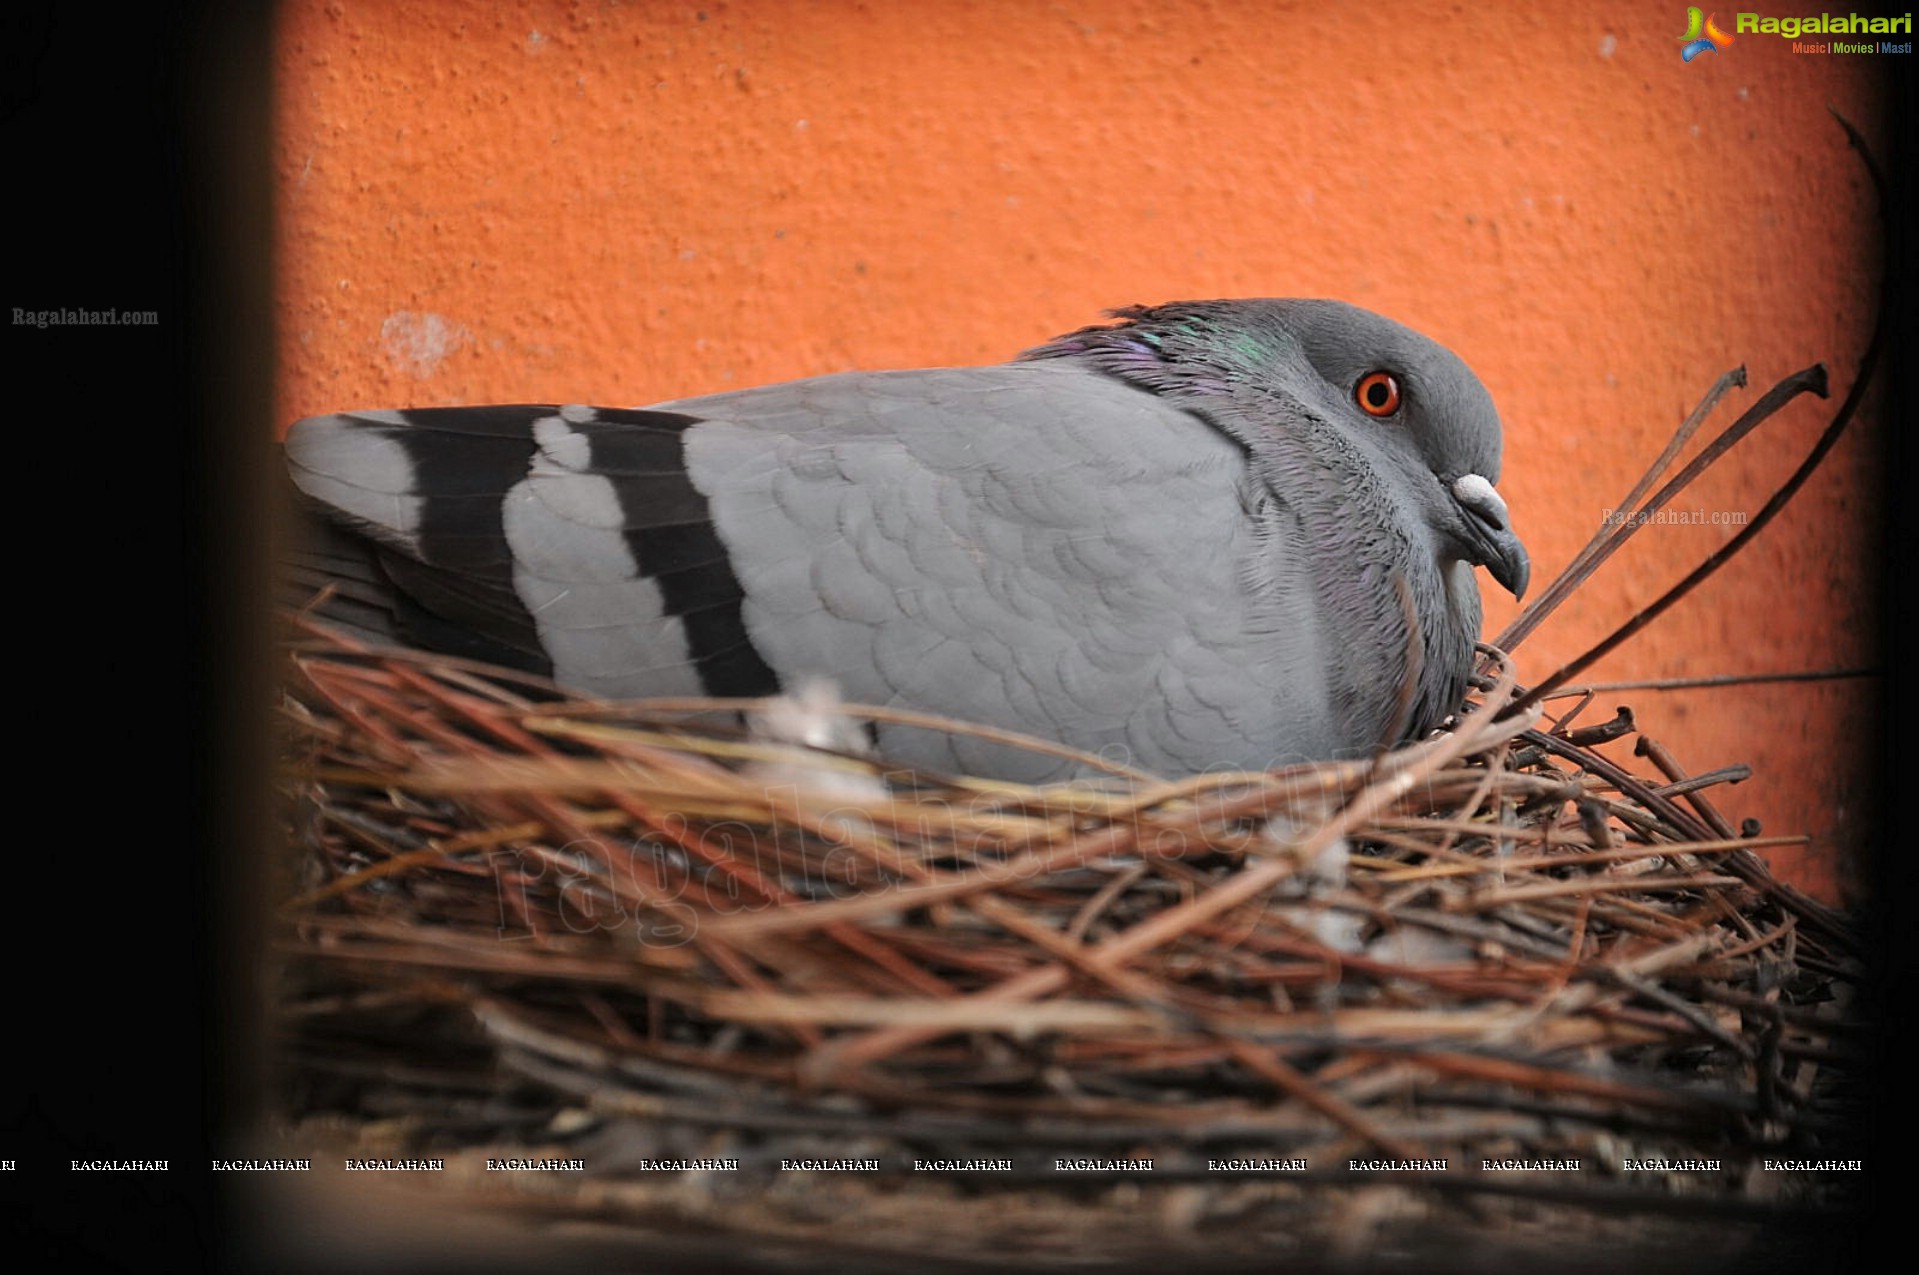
337	578
372	595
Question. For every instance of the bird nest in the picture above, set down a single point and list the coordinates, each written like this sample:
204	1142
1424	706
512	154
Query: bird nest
632	936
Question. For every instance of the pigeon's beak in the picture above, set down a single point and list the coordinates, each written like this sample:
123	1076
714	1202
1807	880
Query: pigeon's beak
1490	528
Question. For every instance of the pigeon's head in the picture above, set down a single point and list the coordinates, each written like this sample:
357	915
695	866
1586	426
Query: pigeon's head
1326	387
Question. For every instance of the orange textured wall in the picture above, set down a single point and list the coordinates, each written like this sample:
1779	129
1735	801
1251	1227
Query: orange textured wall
546	201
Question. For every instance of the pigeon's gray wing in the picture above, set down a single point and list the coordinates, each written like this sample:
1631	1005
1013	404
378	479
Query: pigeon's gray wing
1036	546
567	541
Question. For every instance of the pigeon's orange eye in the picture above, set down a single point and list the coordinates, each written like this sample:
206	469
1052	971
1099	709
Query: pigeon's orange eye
1377	394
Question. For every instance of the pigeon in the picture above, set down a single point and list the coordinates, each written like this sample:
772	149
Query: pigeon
1234	534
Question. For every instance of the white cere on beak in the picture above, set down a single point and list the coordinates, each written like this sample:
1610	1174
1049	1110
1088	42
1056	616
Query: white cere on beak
1474	492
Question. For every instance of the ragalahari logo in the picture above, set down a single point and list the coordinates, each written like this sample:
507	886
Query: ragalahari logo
1702	35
